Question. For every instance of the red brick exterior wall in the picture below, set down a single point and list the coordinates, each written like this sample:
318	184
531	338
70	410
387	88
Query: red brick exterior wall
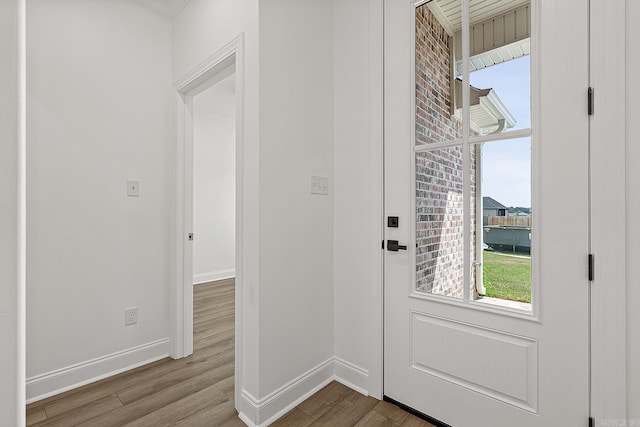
439	173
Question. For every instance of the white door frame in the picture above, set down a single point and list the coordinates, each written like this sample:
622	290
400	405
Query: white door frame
192	83
610	356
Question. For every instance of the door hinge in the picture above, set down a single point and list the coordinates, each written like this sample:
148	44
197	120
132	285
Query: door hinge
383	245
190	236
590	101
591	261
592	422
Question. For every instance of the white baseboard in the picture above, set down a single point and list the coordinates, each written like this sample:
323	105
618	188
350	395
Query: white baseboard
351	375
262	412
51	383
213	276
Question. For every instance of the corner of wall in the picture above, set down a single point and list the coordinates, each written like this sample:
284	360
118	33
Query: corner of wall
263	412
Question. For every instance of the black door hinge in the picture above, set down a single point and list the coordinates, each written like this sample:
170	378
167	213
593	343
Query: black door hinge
590	101
591	260
383	245
592	422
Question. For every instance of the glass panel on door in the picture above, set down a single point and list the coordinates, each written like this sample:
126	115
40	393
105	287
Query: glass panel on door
473	201
439	222
503	202
439	209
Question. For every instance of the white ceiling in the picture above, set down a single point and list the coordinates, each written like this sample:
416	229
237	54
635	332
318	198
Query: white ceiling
166	8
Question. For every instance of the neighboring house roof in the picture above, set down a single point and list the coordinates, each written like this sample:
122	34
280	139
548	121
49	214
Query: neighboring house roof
489	203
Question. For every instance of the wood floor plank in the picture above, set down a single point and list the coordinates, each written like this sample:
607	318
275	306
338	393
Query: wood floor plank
183	409
324	399
348	411
223	414
413	421
213	328
78	400
225	314
374	419
392	412
189	374
35	415
77	416
156	402
212	339
226	385
294	418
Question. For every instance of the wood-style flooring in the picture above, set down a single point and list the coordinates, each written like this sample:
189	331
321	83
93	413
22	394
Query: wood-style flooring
198	390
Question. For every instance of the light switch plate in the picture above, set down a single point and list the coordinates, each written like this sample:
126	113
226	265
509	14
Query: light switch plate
319	185
133	188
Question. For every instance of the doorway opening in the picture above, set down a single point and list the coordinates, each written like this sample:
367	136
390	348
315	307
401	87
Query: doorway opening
214	226
209	209
214	147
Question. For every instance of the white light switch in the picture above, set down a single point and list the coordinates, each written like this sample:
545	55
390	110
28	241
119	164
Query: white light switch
133	188
319	185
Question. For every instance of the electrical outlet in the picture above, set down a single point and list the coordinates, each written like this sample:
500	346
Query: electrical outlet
319	185
130	316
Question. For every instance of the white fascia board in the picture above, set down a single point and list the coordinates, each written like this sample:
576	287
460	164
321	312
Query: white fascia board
494	106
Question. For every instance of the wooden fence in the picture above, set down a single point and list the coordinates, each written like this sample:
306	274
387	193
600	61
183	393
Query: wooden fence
510	221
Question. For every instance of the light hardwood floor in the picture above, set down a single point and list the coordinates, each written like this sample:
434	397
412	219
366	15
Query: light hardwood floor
198	390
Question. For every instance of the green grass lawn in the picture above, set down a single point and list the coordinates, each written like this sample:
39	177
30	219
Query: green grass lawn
507	276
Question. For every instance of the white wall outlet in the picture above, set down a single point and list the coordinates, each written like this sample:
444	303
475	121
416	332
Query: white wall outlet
130	316
133	188
319	185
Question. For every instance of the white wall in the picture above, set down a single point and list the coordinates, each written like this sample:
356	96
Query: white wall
358	191
214	158
11	246
99	113
296	227
633	212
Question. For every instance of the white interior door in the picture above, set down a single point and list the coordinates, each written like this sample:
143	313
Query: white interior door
456	151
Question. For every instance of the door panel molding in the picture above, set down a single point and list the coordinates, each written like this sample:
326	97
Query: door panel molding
506	368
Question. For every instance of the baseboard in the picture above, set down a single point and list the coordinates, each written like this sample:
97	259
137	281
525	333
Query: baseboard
213	276
351	375
55	382
262	412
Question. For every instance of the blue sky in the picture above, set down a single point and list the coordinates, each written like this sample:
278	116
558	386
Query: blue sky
507	164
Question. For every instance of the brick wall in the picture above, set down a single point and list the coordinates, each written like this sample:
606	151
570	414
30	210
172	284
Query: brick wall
439	173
